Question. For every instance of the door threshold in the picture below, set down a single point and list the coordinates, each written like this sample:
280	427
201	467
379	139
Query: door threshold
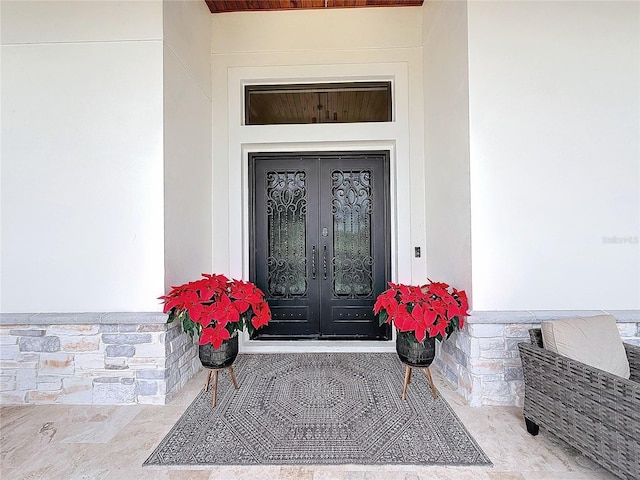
247	345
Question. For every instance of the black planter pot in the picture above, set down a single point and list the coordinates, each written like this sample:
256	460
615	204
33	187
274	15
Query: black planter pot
415	354
221	358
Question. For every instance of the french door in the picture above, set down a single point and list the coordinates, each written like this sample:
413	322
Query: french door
320	242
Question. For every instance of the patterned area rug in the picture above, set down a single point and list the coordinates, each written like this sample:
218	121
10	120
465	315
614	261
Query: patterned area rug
329	408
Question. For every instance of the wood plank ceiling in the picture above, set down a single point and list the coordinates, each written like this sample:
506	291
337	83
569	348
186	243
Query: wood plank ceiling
220	6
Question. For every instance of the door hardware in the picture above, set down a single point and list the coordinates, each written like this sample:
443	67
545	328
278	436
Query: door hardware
324	262
313	262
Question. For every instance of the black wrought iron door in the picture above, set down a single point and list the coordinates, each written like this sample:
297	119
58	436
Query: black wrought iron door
320	242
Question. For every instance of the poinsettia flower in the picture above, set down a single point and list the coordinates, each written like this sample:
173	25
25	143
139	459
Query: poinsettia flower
215	336
461	296
453	310
207	290
438	306
403	319
420	333
424	310
224	311
386	301
262	315
177	298
457	305
195	311
189	301
215	284
412	294
419	326
438	288
210	317
257	295
439	328
404	291
429	316
245	294
216	302
216	280
425	317
170	302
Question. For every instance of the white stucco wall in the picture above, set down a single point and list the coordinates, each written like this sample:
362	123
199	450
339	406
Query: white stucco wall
314	46
446	181
82	199
555	149
554	144
187	140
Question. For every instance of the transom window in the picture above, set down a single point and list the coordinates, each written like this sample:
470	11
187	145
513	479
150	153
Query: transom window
318	103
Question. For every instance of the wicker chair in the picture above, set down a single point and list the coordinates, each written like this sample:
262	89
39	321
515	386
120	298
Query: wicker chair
596	412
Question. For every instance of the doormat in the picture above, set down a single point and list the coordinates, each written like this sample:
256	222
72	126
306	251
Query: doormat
319	409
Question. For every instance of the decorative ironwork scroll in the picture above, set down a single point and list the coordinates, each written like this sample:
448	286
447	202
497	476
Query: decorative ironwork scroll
351	208
286	206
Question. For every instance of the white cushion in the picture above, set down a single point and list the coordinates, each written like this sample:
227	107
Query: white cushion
591	340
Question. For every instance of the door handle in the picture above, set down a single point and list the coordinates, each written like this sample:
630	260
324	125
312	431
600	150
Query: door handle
313	262
324	262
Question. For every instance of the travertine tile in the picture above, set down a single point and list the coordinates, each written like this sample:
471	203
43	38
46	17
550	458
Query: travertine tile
505	476
93	474
567	476
454	473
337	475
296	473
99	426
190	474
244	473
138	474
111	443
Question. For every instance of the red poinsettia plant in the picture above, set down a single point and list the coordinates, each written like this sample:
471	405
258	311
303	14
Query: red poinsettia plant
216	308
434	310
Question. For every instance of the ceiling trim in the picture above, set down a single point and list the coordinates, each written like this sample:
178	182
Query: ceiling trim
222	6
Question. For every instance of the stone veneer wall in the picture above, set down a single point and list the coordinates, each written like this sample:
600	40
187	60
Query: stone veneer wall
93	358
483	362
128	358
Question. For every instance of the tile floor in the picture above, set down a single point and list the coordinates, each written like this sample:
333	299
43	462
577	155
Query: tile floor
103	442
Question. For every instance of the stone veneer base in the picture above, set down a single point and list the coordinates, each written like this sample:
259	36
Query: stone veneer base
128	358
93	358
482	360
